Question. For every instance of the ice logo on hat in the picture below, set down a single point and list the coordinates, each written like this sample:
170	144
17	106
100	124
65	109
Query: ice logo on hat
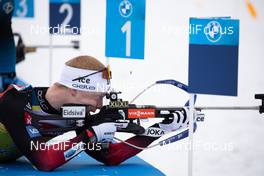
125	8
213	31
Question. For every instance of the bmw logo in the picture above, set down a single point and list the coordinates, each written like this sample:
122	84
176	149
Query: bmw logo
213	31
125	8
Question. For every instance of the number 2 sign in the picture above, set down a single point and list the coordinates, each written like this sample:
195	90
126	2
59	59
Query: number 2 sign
65	16
125	28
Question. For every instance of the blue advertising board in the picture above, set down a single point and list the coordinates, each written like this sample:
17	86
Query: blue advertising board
213	56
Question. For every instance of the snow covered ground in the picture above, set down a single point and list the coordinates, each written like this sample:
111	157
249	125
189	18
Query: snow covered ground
228	142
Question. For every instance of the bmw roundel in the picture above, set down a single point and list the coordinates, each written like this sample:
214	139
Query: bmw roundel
125	8
213	31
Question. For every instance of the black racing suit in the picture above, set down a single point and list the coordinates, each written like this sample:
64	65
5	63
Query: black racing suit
15	105
7	43
7	47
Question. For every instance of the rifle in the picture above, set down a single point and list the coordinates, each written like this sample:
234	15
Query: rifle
119	111
22	49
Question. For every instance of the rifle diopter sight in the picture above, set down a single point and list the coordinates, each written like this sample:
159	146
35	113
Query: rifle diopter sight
115	102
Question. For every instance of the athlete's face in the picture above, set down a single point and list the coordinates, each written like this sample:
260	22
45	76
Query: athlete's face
93	99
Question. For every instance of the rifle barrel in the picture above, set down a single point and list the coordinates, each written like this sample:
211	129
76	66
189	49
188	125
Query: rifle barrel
212	108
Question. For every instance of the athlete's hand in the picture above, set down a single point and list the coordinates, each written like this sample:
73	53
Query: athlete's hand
180	120
104	132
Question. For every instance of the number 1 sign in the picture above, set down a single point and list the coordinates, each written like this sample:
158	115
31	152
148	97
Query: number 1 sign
65	17
125	28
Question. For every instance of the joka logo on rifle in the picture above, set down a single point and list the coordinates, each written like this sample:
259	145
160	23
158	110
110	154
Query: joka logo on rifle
141	113
154	132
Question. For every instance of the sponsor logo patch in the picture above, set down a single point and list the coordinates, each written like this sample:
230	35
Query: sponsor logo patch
27	118
118	104
73	111
141	113
73	151
82	86
28	106
41	100
32	131
154	132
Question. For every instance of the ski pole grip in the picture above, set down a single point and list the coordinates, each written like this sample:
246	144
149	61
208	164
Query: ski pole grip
261	97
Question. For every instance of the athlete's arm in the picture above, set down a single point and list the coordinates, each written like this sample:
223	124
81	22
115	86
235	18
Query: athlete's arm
29	140
119	152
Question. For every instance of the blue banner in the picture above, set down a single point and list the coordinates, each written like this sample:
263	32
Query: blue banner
65	17
125	28
24	9
213	56
214	31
